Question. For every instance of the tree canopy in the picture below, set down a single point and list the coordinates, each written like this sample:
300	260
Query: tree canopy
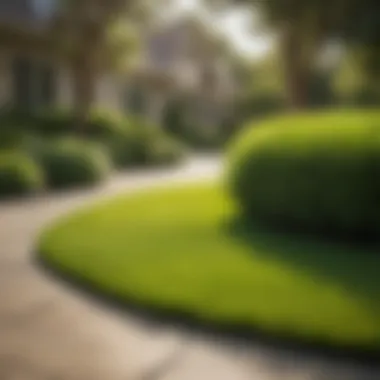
304	27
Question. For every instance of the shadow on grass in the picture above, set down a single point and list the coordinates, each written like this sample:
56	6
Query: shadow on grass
285	249
352	266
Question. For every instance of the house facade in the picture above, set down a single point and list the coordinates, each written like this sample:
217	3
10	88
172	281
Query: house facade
181	61
177	62
33	73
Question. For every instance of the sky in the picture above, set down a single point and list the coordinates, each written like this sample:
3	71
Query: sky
235	26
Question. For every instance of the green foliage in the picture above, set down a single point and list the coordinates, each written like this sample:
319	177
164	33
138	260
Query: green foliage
15	117
71	162
266	76
143	144
10	137
260	105
52	122
319	172
174	118
196	137
128	149
103	124
352	85
130	141
165	151
263	93
363	36
12	128
56	122
19	174
204	139
320	89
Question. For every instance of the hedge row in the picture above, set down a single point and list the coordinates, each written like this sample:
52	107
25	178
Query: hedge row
316	172
48	145
19	174
60	122
60	164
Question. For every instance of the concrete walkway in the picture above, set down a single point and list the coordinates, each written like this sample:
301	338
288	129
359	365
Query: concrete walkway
50	332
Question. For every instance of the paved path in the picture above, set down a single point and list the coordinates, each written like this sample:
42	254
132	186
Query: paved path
50	332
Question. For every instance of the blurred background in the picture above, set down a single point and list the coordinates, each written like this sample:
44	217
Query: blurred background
198	69
135	93
169	64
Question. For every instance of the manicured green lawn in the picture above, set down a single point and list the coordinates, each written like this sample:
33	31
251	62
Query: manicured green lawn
185	250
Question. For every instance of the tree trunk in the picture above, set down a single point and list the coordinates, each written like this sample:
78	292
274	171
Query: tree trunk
84	75
296	69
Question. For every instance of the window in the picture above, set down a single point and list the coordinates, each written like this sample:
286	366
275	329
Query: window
22	83
46	86
34	84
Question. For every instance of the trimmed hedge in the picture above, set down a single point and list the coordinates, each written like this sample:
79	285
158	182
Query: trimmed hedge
70	163
105	124
130	140
142	144
132	147
205	138
51	123
71	157
11	138
165	151
56	122
318	172
19	175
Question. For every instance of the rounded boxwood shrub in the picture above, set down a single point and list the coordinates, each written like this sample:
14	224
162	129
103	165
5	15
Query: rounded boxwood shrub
49	122
165	151
72	162
143	144
11	138
205	138
52	122
130	148
58	122
319	172
19	174
104	123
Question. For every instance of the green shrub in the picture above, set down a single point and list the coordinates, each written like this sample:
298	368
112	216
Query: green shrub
50	122
165	151
132	146
127	149
12	129
15	118
320	172
71	163
19	174
174	118
142	144
260	105
204	139
105	124
56	122
53	122
10	138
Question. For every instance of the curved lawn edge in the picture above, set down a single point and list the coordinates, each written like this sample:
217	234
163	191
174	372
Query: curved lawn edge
185	320
157	310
